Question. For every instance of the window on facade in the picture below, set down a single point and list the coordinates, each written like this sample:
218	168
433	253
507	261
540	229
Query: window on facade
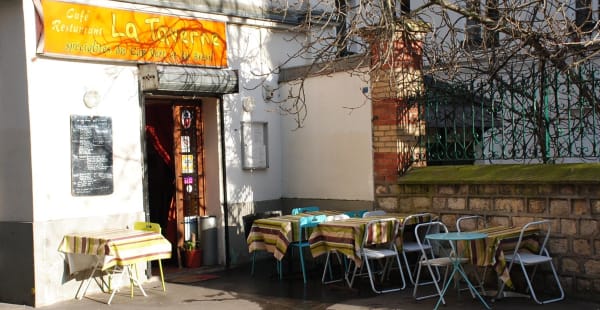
583	15
476	34
492	37
404	7
342	28
473	28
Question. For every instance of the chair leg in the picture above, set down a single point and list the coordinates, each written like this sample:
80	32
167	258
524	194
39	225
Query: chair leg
302	264
434	281
530	285
253	259
327	270
162	276
280	269
408	270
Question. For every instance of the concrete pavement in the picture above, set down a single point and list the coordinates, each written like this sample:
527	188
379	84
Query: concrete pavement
212	288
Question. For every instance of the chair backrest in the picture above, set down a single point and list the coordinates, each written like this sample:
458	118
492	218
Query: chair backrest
410	222
423	229
544	227
470	223
374	213
381	232
147	226
355	213
248	220
339	217
307	222
297	211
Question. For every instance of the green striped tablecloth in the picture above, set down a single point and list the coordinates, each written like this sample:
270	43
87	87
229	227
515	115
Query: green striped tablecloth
490	251
276	233
118	247
346	236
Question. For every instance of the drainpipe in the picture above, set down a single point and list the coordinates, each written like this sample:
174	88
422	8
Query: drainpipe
224	181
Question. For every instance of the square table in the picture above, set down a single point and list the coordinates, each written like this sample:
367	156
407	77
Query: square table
275	234
118	248
346	236
489	251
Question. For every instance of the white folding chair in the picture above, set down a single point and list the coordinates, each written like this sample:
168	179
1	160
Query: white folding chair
342	261
471	223
374	213
431	261
525	259
379	243
409	245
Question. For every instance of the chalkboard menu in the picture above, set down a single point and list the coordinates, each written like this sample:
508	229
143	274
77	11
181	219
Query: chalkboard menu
91	155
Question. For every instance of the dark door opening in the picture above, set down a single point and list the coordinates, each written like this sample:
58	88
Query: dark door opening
160	165
175	167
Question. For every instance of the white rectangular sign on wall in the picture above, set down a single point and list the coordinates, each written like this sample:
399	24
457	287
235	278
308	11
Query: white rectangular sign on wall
254	145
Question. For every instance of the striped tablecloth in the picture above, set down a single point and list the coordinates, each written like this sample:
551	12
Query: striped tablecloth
117	247
489	252
276	233
346	236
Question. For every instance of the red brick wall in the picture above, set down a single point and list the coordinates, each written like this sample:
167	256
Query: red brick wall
395	126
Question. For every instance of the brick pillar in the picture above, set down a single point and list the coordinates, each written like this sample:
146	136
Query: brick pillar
396	77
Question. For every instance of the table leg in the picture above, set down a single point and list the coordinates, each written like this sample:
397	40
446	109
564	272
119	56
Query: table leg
471	287
133	279
446	286
458	268
87	281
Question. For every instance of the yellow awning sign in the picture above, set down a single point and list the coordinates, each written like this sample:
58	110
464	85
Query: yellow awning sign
85	31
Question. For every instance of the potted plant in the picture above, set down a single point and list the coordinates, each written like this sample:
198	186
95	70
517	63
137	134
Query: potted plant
192	254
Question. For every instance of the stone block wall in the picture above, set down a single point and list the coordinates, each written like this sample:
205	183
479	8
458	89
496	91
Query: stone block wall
573	208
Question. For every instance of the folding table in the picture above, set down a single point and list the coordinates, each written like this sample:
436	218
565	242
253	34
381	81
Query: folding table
117	249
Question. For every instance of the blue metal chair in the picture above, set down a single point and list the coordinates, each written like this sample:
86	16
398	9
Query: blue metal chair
305	224
355	213
297	211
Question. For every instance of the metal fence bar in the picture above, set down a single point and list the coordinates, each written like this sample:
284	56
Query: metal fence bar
529	114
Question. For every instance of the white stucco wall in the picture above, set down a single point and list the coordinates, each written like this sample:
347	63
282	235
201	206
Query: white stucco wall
55	92
255	52
330	157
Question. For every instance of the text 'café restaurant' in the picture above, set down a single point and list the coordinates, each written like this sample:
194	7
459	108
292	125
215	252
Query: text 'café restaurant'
119	113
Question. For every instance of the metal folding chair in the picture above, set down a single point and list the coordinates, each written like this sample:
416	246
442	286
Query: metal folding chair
472	223
355	213
525	258
379	243
154	227
410	245
305	224
342	261
297	211
431	261
374	213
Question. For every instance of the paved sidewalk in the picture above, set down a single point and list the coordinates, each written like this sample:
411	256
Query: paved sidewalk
236	289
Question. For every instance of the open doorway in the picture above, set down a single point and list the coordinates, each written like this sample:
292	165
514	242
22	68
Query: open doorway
175	168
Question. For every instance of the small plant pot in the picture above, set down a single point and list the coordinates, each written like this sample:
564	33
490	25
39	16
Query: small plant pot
192	258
